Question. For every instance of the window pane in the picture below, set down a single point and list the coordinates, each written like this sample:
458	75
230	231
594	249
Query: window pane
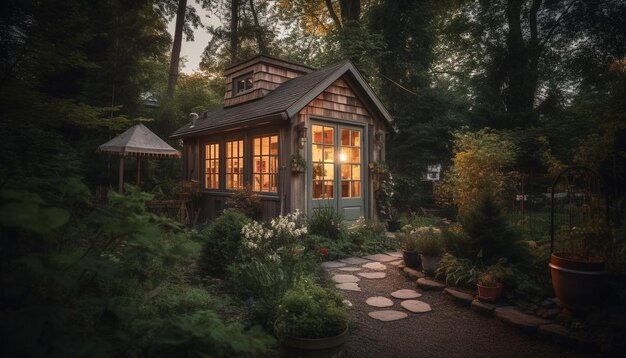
356	139
345	137
356	172
317	134
257	146
345	171
329	135
328	189
345	188
317	189
329	154
257	182
318	171
274	145
356	189
317	152
329	171
265	158
356	155
265	146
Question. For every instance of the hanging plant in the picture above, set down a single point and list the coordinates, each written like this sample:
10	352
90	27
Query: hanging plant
298	163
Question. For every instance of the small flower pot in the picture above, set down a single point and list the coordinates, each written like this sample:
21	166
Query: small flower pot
429	263
489	294
315	348
411	259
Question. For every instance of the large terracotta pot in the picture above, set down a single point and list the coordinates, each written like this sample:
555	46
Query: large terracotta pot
429	263
489	293
411	259
315	348
578	285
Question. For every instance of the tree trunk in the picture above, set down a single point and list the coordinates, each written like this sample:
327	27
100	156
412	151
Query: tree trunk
234	24
258	31
176	46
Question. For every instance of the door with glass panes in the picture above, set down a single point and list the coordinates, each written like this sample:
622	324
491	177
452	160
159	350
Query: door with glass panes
336	175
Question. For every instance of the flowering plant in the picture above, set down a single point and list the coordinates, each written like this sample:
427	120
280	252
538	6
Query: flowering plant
429	241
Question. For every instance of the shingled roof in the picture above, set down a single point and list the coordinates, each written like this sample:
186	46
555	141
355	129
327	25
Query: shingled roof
285	101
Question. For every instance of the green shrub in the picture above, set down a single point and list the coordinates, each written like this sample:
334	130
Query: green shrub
246	201
311	311
458	242
458	272
491	235
177	299
429	241
327	221
324	249
202	333
222	240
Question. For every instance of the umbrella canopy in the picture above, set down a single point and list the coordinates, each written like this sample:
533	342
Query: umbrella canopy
137	141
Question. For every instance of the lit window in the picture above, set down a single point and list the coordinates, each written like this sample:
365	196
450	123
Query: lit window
265	159
212	166
323	153
350	158
234	164
242	83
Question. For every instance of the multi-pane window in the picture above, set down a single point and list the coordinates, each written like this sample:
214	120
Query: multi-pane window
265	164
242	83
234	164
323	157
350	158
212	166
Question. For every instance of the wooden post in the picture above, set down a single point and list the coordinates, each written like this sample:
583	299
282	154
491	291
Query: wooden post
121	182
138	170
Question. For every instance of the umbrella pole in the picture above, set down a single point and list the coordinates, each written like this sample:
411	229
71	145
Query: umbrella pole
121	182
138	170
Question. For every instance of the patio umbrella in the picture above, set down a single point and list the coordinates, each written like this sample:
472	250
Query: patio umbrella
137	141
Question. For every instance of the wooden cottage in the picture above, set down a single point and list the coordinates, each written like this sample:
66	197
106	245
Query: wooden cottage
277	113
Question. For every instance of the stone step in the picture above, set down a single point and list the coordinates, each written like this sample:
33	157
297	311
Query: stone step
459	297
511	315
431	285
483	308
412	273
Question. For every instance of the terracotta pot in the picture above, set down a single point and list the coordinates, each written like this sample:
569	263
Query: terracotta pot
578	285
318	348
429	263
411	259
489	294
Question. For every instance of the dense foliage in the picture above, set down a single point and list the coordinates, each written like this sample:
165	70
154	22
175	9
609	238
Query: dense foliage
222	240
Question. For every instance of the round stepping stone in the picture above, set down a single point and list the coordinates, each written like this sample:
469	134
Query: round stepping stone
345	278
350	269
379	301
354	261
350	286
387	315
405	294
375	266
416	306
380	257
332	264
372	275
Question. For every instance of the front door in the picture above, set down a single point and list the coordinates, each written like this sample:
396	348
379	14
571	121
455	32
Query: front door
336	176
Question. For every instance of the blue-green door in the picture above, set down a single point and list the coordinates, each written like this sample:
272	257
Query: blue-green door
336	157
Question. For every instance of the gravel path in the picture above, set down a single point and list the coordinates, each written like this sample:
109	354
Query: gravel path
446	331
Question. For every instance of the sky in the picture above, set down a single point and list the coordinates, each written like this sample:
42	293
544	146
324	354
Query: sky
192	51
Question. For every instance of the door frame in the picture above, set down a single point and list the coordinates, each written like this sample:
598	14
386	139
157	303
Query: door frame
337	123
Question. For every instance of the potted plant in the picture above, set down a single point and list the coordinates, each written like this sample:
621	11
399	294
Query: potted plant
490	283
312	321
407	239
298	163
429	244
578	272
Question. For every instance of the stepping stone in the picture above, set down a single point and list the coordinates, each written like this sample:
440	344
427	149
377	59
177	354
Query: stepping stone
375	266
390	235
416	306
354	261
379	301
350	286
372	275
350	269
347	303
397	254
395	263
428	284
514	317
345	278
332	264
405	294
387	315
459	297
380	258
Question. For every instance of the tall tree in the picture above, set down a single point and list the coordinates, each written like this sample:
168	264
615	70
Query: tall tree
176	47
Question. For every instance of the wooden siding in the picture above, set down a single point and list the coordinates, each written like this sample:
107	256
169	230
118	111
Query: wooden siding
212	204
265	78
337	101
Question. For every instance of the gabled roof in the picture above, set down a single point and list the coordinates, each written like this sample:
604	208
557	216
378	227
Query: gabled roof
138	140
287	100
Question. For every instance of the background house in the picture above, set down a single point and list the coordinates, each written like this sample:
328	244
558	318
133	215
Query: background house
275	110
